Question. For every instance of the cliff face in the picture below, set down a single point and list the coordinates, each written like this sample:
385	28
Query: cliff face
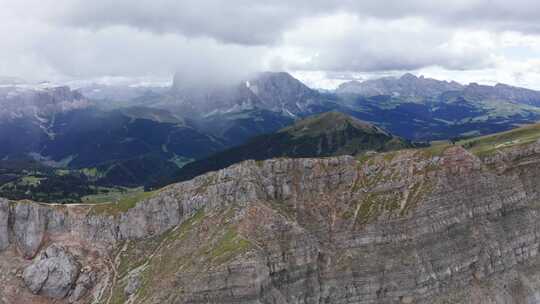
410	226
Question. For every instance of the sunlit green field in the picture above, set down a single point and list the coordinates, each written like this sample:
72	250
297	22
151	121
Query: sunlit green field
112	195
486	145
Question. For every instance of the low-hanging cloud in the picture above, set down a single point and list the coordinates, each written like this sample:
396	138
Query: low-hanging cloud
123	51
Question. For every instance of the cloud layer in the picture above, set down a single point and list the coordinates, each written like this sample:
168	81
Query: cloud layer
215	39
263	22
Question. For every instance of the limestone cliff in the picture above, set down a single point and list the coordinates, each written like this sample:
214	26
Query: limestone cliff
415	226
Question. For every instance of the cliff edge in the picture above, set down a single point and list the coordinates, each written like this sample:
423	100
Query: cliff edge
413	226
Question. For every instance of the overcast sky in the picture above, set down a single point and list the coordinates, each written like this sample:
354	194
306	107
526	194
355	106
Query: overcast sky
321	42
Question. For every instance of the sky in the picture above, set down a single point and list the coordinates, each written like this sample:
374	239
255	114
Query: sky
324	43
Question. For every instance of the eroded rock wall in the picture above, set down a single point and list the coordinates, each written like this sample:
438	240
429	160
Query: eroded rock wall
405	227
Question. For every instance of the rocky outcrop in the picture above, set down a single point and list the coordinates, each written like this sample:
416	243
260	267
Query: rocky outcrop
413	226
4	224
53	274
133	284
83	286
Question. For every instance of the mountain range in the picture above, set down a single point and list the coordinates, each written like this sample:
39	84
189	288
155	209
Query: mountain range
406	86
420	89
323	208
131	137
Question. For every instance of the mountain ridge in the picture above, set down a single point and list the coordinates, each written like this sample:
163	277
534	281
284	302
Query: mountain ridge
323	135
418	88
408	85
294	231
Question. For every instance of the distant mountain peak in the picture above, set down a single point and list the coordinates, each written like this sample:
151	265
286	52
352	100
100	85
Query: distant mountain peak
273	91
330	122
503	85
279	74
409	88
24	102
409	77
406	86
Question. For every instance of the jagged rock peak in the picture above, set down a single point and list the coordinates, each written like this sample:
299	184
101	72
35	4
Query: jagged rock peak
409	77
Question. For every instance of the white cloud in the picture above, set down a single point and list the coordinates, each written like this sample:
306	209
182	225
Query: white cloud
346	42
322	41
